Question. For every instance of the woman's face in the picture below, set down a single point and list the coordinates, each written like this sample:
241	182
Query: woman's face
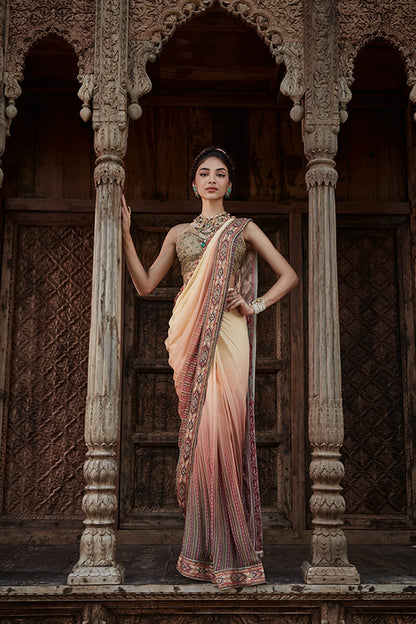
212	178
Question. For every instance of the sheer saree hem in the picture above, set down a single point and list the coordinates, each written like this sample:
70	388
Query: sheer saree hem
223	579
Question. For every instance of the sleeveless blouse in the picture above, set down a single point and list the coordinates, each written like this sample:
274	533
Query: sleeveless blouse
189	251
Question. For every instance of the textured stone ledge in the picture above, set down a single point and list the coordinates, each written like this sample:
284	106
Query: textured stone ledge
197	592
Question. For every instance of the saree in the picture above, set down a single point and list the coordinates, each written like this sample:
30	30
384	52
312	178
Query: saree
212	354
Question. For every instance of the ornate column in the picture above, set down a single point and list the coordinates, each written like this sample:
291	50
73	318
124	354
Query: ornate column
97	563
3	121
329	548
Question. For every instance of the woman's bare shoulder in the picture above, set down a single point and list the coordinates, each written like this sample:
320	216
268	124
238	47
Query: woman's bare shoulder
249	232
176	231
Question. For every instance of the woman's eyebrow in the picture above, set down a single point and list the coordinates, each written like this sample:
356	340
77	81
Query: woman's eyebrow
207	169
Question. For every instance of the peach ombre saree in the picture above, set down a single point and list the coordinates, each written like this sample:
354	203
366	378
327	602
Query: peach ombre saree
212	354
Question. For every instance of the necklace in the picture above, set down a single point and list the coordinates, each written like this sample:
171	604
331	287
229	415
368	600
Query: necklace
205	227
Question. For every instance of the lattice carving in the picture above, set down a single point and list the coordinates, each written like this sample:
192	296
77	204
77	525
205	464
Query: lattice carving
155	488
49	347
155	404
374	446
361	21
279	24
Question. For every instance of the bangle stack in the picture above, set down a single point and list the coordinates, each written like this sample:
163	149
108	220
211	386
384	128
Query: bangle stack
258	305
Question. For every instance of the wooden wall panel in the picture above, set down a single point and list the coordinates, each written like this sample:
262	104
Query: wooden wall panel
373	160
200	132
50	151
265	143
48	296
291	159
372	144
265	170
378	447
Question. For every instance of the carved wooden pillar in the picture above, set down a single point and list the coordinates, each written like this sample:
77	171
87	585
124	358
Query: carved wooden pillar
329	549
97	563
3	121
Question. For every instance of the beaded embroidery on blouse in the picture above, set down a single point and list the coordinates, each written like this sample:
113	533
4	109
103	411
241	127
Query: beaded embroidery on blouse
191	244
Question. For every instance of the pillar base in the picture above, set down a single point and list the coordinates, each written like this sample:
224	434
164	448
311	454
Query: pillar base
330	575
97	575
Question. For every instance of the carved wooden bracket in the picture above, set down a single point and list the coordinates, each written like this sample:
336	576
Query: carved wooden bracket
279	25
85	94
12	91
139	83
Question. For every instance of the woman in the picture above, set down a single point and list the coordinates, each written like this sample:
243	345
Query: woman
210	345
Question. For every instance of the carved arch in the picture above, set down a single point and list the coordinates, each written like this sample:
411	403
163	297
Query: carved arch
362	21
30	22
279	25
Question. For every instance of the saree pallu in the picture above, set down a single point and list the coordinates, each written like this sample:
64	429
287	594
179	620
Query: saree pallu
212	354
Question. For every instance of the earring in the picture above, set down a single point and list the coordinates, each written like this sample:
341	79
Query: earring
228	192
195	190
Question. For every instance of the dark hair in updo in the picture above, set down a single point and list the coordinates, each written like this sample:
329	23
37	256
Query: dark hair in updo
217	152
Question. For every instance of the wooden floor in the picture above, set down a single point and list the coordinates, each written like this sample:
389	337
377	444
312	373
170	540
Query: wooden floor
156	565
33	590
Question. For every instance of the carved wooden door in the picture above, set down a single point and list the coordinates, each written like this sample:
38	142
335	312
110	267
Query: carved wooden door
150	421
377	346
45	297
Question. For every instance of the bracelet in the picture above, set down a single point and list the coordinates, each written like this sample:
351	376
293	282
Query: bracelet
258	305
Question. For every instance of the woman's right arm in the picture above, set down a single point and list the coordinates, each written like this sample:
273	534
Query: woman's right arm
146	281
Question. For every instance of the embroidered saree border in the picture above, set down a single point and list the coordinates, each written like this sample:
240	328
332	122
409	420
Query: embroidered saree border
248	289
251	575
210	325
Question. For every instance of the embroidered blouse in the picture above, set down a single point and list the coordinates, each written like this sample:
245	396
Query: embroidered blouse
189	250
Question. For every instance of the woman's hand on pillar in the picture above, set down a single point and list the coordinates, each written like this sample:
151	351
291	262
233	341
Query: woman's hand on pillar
126	215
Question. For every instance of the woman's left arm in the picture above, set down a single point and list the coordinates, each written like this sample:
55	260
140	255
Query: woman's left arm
287	277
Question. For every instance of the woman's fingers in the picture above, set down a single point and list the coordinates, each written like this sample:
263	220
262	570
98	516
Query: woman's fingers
125	213
234	299
124	205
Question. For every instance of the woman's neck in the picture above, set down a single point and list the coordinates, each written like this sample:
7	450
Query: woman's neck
212	208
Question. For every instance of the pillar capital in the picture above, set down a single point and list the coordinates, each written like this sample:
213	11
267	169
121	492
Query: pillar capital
109	170
320	172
